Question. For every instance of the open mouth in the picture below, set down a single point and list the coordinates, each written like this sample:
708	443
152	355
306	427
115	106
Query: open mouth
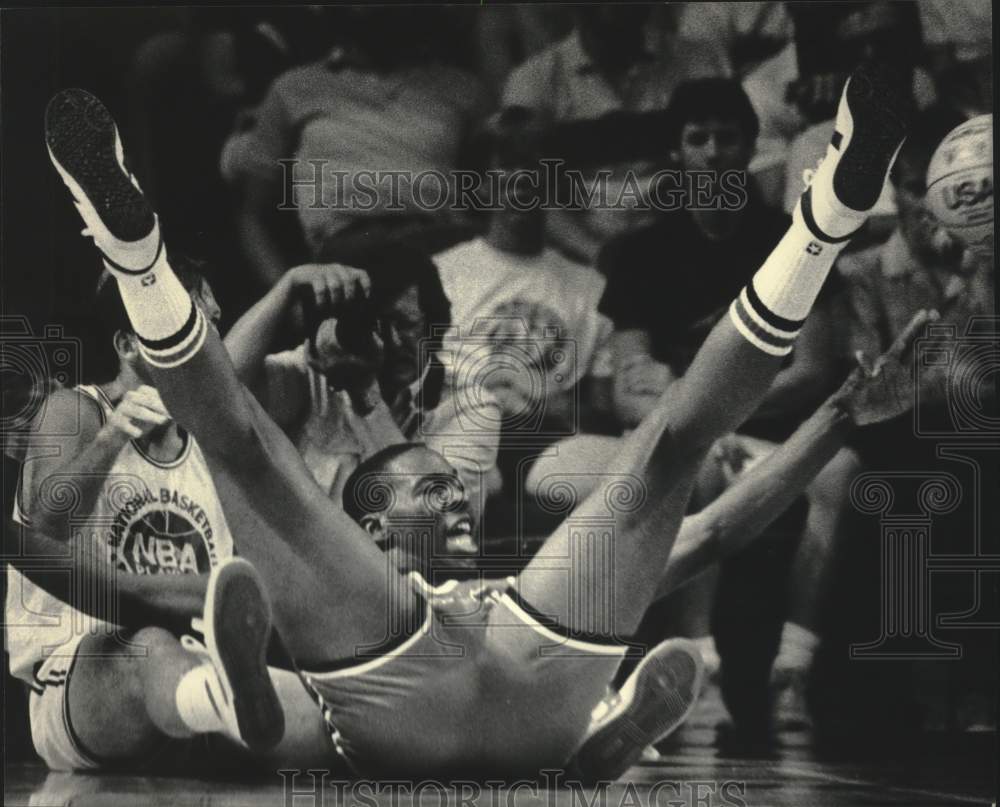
458	538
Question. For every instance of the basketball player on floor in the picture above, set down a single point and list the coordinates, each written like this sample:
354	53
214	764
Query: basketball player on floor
109	464
649	706
465	680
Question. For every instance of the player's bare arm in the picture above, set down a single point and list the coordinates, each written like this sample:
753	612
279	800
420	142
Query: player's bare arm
874	392
82	459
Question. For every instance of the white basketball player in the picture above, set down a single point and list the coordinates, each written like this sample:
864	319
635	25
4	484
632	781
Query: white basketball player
109	465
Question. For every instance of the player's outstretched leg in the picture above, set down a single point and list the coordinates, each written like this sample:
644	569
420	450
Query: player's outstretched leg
653	702
315	559
725	383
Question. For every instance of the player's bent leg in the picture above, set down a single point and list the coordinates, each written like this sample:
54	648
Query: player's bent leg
113	704
111	700
91	711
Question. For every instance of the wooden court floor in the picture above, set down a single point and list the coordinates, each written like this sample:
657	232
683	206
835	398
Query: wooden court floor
694	772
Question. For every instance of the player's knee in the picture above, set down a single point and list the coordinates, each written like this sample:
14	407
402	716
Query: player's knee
154	640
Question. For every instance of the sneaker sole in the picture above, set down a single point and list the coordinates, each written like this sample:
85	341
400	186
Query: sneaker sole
83	142
666	691
878	116
237	638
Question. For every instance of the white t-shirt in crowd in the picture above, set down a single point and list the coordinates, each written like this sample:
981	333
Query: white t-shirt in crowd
538	311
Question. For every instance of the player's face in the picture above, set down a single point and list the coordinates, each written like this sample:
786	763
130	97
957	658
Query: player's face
429	524
714	145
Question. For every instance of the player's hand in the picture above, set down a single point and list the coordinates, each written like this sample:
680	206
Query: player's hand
332	284
139	412
884	389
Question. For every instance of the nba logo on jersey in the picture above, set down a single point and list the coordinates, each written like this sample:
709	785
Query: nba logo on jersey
163	533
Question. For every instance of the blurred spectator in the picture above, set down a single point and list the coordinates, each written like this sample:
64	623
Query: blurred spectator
382	100
612	60
668	283
527	307
920	266
359	382
747	33
704	256
512	33
958	37
186	86
957	32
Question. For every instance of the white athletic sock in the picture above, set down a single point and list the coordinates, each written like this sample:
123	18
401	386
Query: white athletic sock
771	309
195	703
170	327
797	648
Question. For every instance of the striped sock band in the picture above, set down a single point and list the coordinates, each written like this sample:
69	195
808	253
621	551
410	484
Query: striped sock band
760	326
169	326
771	309
174	350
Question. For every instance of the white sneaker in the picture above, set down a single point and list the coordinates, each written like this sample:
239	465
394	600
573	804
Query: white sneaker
868	133
655	700
86	150
237	626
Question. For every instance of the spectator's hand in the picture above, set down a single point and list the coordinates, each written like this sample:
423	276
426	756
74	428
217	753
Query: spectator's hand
138	413
332	285
647	377
879	391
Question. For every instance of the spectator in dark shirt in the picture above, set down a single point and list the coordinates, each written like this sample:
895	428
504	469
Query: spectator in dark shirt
669	282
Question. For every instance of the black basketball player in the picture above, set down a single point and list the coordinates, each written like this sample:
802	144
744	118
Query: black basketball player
469	679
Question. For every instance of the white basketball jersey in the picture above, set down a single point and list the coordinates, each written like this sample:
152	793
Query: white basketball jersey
153	517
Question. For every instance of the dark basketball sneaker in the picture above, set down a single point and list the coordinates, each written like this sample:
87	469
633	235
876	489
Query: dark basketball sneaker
85	148
868	133
657	698
237	627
